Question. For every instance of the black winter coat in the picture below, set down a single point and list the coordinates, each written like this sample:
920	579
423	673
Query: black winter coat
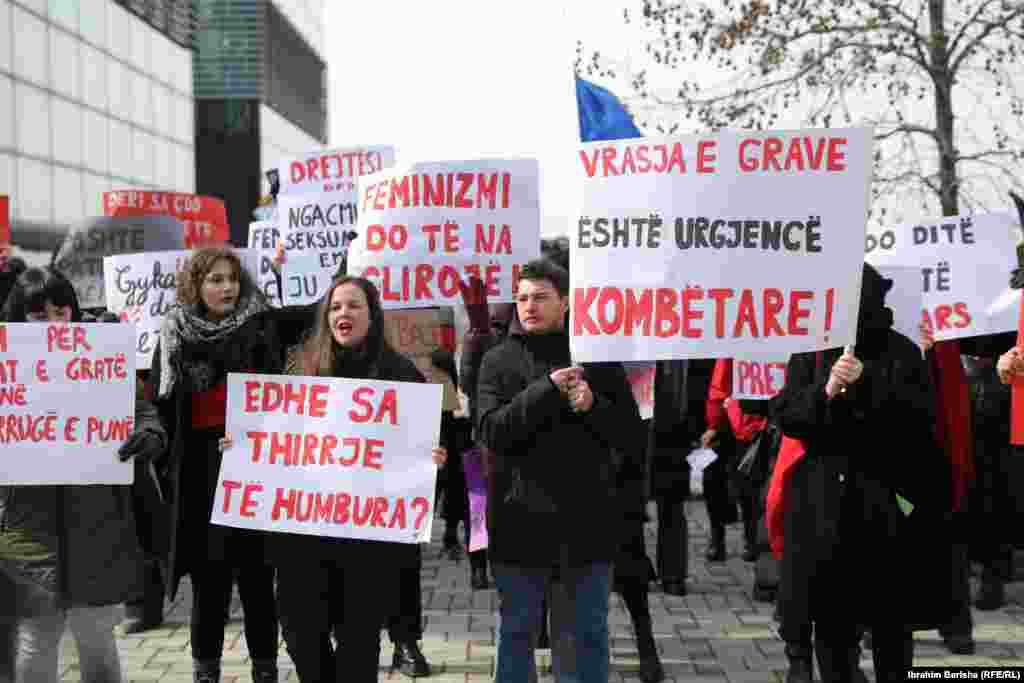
552	491
70	546
189	475
851	554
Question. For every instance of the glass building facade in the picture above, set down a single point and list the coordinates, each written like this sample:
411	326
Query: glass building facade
94	95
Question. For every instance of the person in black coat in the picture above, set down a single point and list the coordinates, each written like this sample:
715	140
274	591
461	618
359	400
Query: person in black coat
872	491
553	429
333	585
219	325
991	500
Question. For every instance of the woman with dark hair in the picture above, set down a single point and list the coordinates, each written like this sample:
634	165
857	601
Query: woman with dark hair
348	587
42	295
68	554
217	327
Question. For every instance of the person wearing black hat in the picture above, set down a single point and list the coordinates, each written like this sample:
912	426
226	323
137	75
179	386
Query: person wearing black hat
871	491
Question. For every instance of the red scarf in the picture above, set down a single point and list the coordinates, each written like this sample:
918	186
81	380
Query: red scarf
790	453
954	424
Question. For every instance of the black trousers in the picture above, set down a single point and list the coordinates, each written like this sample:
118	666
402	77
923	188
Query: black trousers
962	623
212	585
673	540
717	497
344	598
406	624
456	496
837	649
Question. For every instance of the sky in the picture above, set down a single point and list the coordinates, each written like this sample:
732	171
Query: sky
465	79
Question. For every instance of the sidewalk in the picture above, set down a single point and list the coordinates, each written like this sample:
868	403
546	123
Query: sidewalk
715	633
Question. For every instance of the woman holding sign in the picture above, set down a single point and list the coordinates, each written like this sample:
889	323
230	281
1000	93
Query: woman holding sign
216	327
333	585
68	554
869	488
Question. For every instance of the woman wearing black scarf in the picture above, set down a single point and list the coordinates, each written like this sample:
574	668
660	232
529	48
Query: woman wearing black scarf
331	585
218	326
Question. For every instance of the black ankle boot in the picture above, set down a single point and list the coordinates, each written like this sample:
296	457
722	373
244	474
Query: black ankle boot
839	664
991	594
206	671
801	663
410	660
716	547
264	671
651	670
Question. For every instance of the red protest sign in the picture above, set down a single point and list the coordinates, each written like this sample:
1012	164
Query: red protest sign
205	219
5	220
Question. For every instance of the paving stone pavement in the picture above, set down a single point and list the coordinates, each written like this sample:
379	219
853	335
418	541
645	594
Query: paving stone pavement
714	633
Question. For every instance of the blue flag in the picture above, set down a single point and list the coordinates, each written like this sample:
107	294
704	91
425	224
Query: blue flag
602	116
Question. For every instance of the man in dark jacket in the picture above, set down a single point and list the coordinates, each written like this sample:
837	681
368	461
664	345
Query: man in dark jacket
553	428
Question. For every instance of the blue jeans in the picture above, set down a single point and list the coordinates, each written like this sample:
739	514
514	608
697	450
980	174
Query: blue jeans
521	591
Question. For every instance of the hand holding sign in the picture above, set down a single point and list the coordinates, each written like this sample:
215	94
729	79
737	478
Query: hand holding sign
927	337
846	371
1010	365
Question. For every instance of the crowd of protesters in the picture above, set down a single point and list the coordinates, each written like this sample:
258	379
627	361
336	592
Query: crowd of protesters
823	477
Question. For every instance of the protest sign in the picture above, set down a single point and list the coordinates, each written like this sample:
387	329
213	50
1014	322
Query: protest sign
758	378
312	259
81	255
332	171
67	403
330	457
5	220
702	247
965	264
476	487
641	381
425	227
203	219
263	237
142	288
905	299
418	333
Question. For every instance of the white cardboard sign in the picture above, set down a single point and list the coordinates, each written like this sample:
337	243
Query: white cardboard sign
423	228
330	457
713	246
67	403
965	264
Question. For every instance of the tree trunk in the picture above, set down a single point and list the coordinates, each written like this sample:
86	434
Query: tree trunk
943	79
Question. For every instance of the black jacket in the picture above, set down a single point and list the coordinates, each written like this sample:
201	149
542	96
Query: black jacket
552	491
841	506
254	347
71	546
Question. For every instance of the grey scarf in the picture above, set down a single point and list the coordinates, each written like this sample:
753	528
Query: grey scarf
186	325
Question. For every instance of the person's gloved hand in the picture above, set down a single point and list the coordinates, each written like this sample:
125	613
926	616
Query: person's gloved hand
1017	279
474	296
144	446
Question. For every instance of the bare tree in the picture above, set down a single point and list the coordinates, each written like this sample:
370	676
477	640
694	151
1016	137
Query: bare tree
937	79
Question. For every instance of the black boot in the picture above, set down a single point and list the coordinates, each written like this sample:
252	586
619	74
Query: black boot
991	595
206	671
478	579
651	670
716	547
801	663
264	671
410	660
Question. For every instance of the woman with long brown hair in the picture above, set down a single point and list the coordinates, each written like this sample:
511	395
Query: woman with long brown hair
218	326
342	586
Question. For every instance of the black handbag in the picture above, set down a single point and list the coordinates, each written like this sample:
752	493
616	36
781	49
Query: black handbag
753	469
